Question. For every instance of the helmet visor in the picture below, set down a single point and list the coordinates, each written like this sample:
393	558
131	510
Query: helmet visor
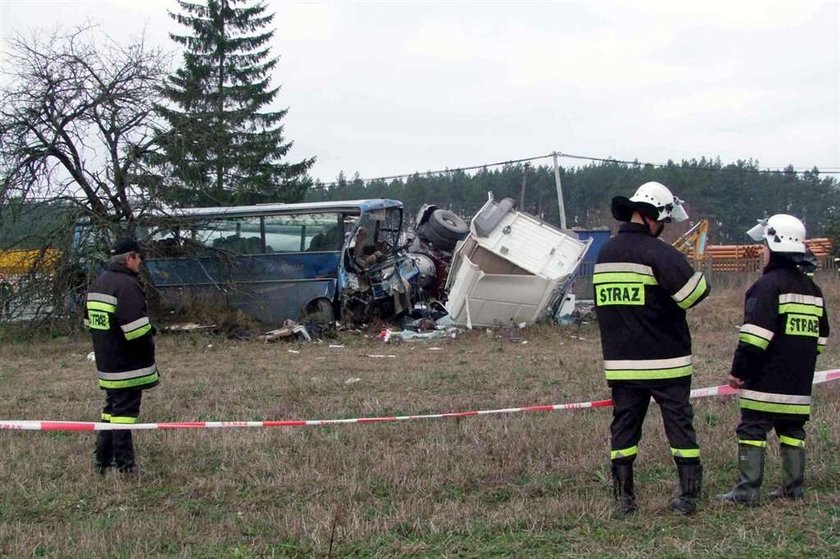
678	212
757	233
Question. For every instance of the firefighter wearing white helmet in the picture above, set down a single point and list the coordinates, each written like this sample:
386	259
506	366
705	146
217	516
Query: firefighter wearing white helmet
643	288
785	327
782	233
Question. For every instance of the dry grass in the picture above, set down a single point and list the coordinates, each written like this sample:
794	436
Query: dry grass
518	485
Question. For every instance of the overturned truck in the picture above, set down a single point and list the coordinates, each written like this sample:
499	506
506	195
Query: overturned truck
511	268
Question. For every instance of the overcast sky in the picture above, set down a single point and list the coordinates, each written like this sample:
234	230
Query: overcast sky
386	88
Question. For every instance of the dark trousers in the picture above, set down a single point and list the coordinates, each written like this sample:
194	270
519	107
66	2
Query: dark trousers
630	407
117	447
755	426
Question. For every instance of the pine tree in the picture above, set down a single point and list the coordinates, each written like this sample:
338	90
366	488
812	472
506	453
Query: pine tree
222	146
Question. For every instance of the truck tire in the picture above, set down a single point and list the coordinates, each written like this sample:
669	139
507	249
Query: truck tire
448	225
431	234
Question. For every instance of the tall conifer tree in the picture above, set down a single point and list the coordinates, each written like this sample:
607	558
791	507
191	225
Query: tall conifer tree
222	145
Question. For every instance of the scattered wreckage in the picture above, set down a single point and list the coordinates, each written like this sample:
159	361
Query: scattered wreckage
312	262
355	262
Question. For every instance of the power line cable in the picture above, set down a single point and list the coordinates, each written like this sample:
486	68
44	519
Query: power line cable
827	171
440	172
832	171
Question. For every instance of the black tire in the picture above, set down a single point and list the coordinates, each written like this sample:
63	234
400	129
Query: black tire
431	234
448	225
319	311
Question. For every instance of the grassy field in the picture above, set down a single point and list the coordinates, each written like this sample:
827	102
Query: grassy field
525	485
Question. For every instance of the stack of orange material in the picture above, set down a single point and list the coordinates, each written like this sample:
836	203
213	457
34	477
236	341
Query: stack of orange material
734	258
742	258
820	247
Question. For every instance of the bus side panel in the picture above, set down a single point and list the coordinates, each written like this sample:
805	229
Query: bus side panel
270	287
274	302
180	272
284	266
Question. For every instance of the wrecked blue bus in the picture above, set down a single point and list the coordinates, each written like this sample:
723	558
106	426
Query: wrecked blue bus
308	262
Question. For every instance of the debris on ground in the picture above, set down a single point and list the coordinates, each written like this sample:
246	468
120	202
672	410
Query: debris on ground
189	327
290	329
389	336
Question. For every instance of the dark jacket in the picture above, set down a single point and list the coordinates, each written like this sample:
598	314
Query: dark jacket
785	327
123	337
643	287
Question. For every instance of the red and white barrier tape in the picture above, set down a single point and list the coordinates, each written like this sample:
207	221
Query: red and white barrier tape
25	425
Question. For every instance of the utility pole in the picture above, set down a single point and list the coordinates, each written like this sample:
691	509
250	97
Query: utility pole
522	190
559	191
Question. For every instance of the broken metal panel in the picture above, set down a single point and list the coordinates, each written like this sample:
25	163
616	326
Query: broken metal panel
534	245
482	299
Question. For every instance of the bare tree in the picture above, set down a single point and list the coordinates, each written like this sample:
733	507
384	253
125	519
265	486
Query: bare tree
76	121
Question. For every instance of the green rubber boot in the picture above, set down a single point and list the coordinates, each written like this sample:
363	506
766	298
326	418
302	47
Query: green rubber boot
793	474
751	468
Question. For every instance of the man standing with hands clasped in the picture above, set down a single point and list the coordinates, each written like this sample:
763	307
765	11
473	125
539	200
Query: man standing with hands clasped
123	343
785	327
643	287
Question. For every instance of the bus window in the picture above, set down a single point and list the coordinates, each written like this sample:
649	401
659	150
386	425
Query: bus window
302	233
238	236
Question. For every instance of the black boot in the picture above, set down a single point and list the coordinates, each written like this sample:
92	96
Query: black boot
691	480
793	474
622	474
103	456
124	453
751	469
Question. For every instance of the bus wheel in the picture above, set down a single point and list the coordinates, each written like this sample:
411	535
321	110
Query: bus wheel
319	311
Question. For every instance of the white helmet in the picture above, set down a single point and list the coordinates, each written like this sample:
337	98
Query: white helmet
657	195
667	206
783	233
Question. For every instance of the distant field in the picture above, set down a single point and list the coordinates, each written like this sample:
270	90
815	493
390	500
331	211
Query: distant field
533	485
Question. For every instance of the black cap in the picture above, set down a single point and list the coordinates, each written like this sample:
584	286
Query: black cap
125	245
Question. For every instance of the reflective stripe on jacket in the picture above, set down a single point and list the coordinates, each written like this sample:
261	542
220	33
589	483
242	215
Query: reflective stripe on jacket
785	327
643	287
123	337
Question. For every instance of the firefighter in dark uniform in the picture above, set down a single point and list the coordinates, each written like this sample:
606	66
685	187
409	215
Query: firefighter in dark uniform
643	287
785	327
123	343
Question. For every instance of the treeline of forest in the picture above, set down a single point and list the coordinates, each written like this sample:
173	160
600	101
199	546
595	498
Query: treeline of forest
731	196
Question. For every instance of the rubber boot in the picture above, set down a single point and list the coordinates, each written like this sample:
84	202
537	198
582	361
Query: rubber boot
622	475
751	468
691	481
124	453
103	456
793	474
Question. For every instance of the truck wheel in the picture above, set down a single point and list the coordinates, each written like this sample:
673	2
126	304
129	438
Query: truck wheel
448	225
433	236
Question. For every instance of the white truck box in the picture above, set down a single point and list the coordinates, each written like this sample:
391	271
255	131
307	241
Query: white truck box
512	268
